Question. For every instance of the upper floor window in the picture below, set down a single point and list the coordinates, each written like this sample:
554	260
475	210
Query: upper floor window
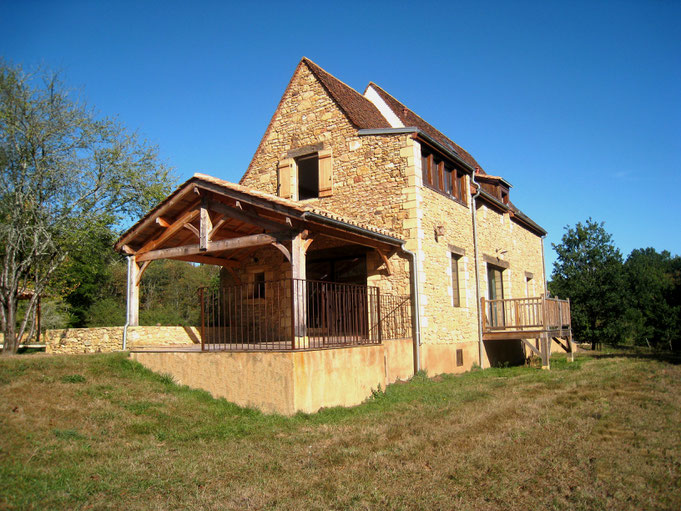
456	292
443	175
305	175
308	176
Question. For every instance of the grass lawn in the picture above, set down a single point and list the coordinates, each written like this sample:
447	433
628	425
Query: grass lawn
101	432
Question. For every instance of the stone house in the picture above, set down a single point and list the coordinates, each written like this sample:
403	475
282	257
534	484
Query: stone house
431	261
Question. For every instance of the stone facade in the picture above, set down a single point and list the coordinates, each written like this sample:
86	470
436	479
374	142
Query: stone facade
361	165
377	179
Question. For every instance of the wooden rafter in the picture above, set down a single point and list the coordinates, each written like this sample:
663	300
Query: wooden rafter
243	216
170	231
385	260
193	229
214	246
283	250
141	271
216	227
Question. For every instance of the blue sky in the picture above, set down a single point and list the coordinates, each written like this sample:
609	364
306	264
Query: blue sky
577	104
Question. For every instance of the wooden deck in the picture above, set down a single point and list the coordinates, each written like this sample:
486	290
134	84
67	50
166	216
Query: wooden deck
541	318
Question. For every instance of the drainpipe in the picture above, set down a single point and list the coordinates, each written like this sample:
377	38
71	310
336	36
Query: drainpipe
127	305
477	270
543	265
415	314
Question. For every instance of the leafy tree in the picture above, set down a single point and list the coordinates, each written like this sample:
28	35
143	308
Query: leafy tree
654	309
589	271
65	176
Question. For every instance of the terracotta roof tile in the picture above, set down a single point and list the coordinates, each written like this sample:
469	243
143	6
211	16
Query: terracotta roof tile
409	118
295	205
361	112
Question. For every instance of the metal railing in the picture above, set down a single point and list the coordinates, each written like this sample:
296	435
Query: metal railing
526	313
294	314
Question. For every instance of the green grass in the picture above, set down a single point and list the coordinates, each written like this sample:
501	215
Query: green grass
102	432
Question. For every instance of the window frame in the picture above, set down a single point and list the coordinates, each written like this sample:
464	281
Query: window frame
456	281
433	175
305	158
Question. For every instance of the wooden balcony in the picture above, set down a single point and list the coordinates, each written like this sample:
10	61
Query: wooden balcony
541	318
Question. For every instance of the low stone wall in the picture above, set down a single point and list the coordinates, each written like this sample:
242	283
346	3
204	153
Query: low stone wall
108	339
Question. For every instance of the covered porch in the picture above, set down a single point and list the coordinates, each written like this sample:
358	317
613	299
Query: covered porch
266	246
537	321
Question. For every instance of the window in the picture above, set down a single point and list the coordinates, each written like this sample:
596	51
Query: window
459	358
259	285
528	285
443	175
308	176
495	290
456	294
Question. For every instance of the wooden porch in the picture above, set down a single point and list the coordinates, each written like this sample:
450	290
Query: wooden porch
536	321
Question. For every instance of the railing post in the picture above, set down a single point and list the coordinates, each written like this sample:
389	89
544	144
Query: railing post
203	321
543	312
380	327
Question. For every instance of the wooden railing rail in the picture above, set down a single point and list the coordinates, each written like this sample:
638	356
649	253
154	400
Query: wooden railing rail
525	313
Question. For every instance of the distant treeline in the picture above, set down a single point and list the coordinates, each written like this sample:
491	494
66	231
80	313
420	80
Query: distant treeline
91	287
616	301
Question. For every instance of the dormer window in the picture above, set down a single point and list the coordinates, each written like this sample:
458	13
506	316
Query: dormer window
443	175
308	176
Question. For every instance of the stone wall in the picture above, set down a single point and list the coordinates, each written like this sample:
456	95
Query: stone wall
109	339
370	181
515	246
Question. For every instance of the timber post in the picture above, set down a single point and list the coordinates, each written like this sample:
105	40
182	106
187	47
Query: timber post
299	292
545	351
133	298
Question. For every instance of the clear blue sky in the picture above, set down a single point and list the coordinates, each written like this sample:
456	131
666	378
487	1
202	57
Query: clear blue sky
577	104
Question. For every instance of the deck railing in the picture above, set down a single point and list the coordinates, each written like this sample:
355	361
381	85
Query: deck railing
293	314
526	314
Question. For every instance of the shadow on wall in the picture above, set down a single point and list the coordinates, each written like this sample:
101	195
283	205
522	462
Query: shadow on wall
504	352
190	333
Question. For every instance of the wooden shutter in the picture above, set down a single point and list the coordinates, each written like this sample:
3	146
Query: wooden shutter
325	173
285	169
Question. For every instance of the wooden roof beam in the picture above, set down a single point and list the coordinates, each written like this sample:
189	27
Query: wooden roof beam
170	231
243	216
253	240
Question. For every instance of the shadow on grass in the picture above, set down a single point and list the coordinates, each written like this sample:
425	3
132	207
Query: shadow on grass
610	352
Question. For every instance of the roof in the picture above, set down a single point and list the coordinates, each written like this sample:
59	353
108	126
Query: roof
361	112
409	118
181	198
296	205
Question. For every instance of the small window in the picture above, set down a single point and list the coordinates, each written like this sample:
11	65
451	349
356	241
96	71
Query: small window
504	196
425	167
449	182
528	286
459	358
456	295
259	285
308	177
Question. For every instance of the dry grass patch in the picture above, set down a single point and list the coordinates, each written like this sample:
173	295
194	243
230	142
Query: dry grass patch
102	432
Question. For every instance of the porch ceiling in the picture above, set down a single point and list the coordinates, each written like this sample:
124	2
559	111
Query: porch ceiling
208	220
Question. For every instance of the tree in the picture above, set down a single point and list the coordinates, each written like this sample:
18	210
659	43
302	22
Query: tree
65	176
654	308
589	271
